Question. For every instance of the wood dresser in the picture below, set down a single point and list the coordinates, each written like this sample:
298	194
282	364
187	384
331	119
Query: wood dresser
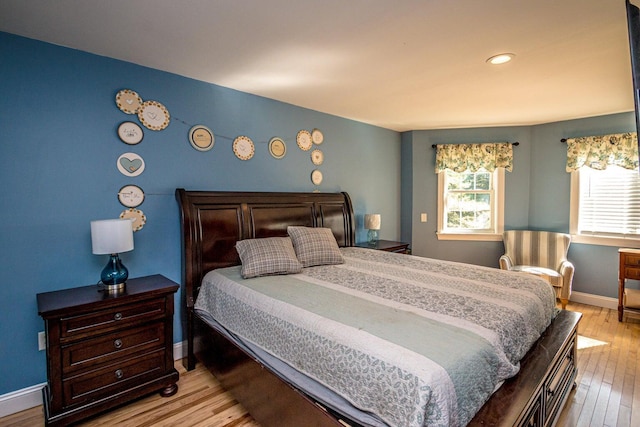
103	350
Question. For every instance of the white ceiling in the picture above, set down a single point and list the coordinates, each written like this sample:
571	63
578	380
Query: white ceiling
398	64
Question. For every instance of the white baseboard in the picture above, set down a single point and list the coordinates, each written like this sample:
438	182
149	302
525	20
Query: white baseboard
29	397
595	300
20	400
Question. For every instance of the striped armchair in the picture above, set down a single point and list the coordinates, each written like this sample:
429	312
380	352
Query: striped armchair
542	253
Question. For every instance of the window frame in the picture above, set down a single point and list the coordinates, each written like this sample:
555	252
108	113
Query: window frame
498	179
591	239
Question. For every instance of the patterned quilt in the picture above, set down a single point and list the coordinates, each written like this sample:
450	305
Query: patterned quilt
415	341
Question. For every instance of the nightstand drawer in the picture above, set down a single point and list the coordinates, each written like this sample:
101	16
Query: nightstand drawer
113	378
632	260
89	353
632	273
105	319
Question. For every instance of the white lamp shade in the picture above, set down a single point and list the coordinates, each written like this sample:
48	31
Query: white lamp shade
372	221
111	236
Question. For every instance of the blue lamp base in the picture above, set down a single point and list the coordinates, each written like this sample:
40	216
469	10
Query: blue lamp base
114	275
372	237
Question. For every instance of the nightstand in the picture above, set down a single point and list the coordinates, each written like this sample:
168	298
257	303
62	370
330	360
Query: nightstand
388	246
104	350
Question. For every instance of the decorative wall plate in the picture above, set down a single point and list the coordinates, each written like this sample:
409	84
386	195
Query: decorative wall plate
316	177
130	164
277	147
201	138
153	115
303	139
317	137
131	196
317	157
137	217
128	101
130	133
243	147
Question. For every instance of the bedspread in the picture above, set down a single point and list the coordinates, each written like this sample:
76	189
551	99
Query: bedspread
414	341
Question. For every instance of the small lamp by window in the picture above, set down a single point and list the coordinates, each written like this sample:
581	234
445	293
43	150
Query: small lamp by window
372	223
112	236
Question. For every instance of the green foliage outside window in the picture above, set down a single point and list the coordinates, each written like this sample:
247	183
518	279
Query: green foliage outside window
468	202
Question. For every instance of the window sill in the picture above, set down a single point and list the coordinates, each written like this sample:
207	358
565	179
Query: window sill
606	241
484	237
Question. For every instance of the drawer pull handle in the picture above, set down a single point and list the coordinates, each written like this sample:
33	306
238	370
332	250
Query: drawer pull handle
118	316
117	343
119	374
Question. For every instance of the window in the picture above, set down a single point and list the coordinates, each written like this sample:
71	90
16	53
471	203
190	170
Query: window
605	206
471	205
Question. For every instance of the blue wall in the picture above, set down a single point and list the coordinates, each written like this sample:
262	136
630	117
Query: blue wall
417	149
58	152
537	194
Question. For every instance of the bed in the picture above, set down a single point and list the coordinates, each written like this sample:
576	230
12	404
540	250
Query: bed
294	392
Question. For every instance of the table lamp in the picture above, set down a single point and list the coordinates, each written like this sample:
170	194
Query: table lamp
112	236
372	223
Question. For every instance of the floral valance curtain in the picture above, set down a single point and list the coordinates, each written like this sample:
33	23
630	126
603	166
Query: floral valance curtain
598	152
462	157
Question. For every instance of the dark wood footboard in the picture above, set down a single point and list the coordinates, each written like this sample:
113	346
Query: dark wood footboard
536	396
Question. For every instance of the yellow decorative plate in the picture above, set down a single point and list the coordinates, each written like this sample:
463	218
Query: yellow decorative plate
317	157
153	115
277	148
138	219
128	101
243	147
303	139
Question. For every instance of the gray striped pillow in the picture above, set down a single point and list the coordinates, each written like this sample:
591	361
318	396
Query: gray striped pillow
315	246
268	256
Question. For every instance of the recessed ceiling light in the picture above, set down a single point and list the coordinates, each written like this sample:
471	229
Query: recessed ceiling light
501	58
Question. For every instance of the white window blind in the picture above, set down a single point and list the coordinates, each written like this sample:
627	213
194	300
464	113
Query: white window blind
609	202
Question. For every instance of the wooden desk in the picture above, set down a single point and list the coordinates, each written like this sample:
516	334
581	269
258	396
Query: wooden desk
629	268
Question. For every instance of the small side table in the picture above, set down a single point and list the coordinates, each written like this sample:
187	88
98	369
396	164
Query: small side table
387	245
629	268
104	350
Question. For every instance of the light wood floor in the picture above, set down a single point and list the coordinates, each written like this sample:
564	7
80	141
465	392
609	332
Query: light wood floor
607	392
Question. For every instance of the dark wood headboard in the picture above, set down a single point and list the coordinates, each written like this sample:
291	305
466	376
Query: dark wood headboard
213	221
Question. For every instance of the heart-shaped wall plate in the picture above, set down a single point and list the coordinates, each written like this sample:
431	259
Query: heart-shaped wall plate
130	164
